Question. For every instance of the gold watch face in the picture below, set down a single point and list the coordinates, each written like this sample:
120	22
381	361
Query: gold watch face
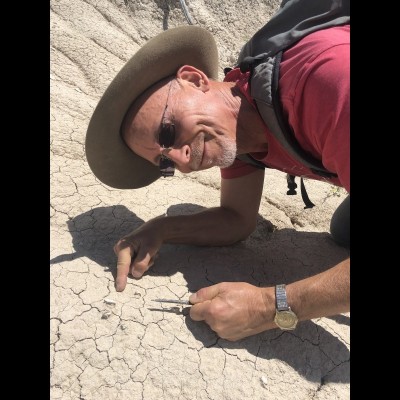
286	319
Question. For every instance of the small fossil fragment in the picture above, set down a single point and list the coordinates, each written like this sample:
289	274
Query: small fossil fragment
109	301
264	381
106	314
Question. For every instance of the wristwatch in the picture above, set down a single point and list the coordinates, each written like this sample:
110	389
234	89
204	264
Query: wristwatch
285	318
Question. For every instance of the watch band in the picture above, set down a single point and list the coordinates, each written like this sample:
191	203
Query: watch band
285	318
280	298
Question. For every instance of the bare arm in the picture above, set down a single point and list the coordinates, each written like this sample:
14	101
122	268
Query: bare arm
236	309
322	295
234	220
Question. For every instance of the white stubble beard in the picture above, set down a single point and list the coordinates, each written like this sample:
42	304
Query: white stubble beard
225	159
228	155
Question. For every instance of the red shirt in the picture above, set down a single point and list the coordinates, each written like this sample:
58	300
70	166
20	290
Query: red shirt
314	88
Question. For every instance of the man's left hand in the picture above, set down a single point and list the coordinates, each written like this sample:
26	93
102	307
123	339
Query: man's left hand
234	310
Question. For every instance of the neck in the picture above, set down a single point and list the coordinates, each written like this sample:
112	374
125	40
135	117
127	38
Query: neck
250	132
250	136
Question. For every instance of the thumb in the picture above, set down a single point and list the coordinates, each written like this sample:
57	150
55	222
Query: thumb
142	262
204	294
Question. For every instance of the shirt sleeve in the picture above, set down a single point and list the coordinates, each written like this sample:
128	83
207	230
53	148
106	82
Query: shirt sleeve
237	169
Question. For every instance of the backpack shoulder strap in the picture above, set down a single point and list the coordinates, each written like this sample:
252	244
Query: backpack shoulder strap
272	114
294	20
262	55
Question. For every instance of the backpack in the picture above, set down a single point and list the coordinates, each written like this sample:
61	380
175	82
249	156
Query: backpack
262	54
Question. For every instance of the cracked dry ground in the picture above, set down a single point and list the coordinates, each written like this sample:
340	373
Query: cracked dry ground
131	347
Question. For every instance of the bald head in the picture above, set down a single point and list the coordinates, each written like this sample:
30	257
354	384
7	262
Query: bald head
202	118
143	119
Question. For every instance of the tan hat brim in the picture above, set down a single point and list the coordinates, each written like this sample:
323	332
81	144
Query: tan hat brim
110	159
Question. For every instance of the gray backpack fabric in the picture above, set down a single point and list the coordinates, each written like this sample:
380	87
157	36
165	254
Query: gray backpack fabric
261	55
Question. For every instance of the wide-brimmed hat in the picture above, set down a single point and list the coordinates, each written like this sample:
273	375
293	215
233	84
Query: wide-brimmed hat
108	156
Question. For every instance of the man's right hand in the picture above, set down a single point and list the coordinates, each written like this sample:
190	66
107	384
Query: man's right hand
136	252
234	220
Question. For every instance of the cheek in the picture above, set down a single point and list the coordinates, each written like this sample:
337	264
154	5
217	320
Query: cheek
197	145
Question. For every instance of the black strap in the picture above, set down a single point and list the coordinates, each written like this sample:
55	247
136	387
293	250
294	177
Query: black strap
275	119
304	195
292	185
284	133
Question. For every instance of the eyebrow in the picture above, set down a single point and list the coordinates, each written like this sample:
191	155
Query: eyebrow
156	135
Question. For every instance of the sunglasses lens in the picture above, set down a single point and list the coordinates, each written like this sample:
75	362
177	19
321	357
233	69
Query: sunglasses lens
167	135
167	167
166	140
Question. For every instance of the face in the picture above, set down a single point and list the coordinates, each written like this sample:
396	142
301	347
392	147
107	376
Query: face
204	130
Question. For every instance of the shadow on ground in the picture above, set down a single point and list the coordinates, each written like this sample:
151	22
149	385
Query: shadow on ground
266	258
95	232
311	350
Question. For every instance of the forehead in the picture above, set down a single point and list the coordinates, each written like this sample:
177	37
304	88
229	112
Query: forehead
146	111
142	123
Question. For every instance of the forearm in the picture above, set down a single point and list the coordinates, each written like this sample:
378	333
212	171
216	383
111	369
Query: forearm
321	295
217	226
234	220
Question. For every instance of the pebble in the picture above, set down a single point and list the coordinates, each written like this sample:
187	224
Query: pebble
264	381
109	301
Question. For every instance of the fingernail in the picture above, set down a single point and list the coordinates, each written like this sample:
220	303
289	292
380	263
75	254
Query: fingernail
119	285
193	298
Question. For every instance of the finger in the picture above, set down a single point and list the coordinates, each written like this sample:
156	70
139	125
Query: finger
143	261
207	293
200	311
123	265
121	244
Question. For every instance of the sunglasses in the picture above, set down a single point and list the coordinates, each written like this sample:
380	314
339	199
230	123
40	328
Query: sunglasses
166	139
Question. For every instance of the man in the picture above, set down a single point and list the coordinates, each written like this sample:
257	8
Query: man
165	110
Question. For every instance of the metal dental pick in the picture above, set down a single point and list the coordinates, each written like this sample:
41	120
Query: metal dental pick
184	302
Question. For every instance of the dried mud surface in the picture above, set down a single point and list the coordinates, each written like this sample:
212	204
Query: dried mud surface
131	347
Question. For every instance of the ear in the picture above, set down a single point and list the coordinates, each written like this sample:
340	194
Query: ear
194	76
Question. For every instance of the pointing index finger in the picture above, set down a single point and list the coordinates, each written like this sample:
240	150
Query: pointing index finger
123	265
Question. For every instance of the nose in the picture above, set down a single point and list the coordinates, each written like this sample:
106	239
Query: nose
180	156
